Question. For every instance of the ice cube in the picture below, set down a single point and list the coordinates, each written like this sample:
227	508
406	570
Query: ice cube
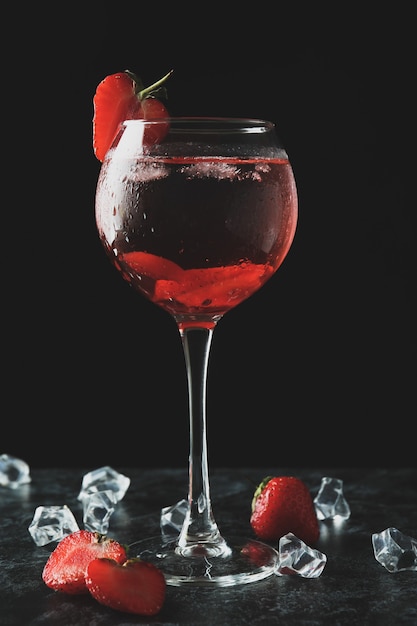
104	479
395	550
296	557
98	508
13	472
330	502
172	519
52	523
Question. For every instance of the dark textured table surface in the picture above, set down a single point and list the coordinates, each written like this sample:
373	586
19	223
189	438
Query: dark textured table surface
352	589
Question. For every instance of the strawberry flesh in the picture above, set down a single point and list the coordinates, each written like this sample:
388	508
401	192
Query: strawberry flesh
66	566
136	586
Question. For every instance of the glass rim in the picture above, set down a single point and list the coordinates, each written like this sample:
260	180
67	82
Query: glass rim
208	124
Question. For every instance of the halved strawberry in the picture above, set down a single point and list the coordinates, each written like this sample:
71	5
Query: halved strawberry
283	504
121	97
66	566
136	586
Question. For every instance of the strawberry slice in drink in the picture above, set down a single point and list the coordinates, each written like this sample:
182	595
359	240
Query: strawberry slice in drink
215	288
204	290
153	266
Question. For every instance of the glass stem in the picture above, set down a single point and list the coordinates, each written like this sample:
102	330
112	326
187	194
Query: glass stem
200	535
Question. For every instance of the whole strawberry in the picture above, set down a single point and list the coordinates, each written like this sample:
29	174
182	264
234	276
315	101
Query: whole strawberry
121	97
133	587
283	504
66	566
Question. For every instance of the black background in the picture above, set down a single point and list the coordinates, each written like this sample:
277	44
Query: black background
317	367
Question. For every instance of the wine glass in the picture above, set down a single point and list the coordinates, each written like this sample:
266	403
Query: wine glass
197	214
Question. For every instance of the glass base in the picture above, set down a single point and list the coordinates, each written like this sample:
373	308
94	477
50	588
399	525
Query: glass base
244	561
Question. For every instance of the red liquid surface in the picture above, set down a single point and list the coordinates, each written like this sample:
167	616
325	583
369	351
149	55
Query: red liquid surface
197	237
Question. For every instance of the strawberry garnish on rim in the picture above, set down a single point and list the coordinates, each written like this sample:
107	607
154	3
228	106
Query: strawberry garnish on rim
121	97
